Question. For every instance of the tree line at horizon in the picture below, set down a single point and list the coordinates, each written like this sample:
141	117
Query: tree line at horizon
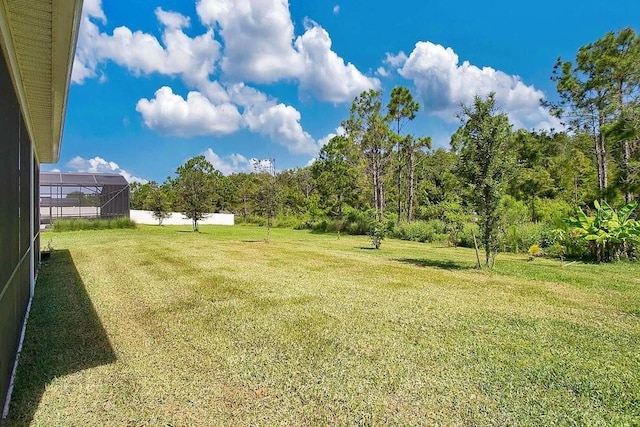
515	189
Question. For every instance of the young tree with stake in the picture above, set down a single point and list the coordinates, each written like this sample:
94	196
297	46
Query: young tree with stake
484	165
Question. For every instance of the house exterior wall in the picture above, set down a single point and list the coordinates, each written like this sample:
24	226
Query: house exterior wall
19	239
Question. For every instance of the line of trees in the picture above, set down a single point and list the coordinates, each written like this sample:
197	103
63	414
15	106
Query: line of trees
511	187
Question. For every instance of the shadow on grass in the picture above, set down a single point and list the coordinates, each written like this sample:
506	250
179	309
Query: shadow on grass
64	335
440	263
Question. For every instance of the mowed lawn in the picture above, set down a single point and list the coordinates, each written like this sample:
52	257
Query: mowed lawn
160	326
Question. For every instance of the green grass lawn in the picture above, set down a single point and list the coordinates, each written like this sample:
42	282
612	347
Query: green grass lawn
159	326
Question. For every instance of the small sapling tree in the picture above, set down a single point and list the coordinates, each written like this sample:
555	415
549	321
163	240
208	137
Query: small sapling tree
484	165
157	202
267	197
377	232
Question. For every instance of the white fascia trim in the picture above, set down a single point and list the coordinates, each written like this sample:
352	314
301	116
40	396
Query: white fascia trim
65	16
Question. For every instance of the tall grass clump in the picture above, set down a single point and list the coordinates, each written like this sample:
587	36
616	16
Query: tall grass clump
430	231
353	222
76	224
279	221
519	238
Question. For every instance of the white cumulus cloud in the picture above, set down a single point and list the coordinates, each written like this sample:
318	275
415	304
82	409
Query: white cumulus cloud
175	55
246	96
100	165
93	8
257	35
443	84
172	19
281	123
232	163
171	114
395	60
382	72
260	46
325	74
339	131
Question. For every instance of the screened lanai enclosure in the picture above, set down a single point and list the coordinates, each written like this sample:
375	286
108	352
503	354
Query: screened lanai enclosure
82	195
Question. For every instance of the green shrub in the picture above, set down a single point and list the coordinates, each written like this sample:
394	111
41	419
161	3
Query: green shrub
358	222
319	226
566	244
609	235
329	225
354	222
92	224
304	222
280	221
335	226
455	219
465	237
519	238
252	220
415	231
557	250
430	231
513	212
377	233
287	221
354	228
552	211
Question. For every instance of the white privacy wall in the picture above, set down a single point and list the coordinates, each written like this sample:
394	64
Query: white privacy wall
145	217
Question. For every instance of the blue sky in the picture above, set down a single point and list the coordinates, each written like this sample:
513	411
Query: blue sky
157	82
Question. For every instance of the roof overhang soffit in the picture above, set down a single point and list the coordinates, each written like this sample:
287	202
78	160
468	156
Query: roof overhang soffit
38	39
